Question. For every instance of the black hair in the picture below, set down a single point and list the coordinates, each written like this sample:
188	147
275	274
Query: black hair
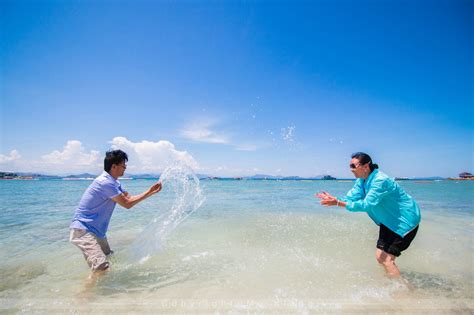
364	158
114	157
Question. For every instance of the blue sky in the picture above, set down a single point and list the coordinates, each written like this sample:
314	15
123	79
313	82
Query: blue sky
238	88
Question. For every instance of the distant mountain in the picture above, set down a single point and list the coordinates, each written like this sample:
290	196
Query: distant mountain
83	175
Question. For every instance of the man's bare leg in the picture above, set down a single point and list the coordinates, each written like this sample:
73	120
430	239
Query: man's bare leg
93	278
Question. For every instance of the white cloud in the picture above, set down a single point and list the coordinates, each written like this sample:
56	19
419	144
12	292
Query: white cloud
14	155
71	159
148	156
144	156
201	132
72	155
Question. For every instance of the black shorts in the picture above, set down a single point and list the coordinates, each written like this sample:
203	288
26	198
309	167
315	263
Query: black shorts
392	243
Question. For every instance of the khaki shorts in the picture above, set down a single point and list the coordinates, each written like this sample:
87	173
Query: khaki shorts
94	249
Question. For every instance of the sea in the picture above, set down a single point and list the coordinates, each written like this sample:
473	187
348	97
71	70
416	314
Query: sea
233	247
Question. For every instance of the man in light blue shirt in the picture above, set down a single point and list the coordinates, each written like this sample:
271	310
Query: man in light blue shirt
92	216
386	203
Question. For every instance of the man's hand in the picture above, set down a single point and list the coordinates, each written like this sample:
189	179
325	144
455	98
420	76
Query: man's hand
155	188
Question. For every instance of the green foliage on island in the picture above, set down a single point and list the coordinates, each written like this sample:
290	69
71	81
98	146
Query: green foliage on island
6	175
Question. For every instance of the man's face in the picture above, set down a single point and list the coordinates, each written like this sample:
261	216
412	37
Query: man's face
121	168
359	170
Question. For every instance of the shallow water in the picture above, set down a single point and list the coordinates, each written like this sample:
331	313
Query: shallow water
253	246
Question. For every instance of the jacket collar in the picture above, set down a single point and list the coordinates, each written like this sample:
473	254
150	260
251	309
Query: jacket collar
371	177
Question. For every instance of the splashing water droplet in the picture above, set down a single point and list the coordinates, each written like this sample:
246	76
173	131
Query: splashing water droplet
288	133
181	181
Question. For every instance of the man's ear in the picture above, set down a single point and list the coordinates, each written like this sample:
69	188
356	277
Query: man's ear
113	168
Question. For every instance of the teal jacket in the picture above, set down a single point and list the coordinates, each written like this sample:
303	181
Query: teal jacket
385	202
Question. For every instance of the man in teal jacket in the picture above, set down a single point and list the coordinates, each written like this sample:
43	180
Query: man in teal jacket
386	203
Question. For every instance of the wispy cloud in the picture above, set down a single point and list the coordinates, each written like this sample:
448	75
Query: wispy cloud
229	171
246	147
206	131
201	131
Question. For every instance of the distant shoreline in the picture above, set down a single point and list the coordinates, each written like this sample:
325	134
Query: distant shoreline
339	180
257	177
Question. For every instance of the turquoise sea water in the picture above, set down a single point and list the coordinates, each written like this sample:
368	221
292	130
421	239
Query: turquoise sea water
253	246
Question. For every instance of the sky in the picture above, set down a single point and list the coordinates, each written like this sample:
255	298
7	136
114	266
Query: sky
237	88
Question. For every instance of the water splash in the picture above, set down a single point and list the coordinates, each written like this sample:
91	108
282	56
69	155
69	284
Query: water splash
288	134
183	184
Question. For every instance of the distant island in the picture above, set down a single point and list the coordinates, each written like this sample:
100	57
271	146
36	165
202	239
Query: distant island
463	176
7	175
88	176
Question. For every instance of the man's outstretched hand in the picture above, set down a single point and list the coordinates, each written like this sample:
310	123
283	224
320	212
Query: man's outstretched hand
155	188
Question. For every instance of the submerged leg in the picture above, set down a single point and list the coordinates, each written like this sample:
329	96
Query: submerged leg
388	262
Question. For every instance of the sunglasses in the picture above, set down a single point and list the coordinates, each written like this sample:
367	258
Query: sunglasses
352	165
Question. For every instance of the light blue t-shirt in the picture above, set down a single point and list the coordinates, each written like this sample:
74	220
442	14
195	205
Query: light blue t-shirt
385	202
96	206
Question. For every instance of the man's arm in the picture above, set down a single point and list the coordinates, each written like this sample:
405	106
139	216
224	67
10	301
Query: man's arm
127	201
